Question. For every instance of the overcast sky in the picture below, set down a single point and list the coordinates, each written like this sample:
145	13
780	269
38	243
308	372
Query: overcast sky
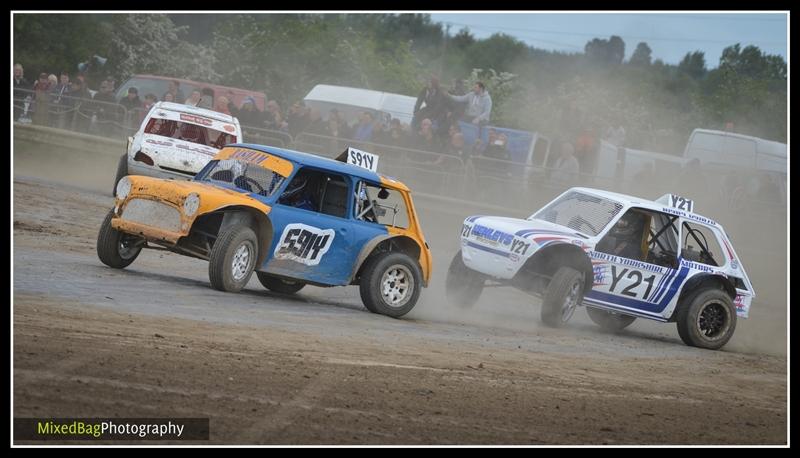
669	35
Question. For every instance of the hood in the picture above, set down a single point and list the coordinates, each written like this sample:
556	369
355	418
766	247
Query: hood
520	227
175	192
177	154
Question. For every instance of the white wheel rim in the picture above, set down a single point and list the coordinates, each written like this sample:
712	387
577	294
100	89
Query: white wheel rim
570	302
241	261
397	285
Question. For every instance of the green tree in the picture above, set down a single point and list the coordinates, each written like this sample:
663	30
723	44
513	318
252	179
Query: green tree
642	55
611	51
693	64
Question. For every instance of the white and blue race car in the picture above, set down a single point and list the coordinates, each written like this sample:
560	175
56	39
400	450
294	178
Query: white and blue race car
620	256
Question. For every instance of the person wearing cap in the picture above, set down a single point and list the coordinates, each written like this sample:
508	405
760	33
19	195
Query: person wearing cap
249	115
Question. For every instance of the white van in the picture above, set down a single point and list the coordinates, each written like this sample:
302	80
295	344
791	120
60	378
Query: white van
750	168
351	101
714	147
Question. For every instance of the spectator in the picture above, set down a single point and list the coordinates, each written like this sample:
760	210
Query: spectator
497	146
21	86
363	130
79	105
315	125
223	105
233	110
396	135
435	103
41	89
133	107
586	148
53	80
149	101
59	95
105	107
249	115
297	118
479	104
174	89
273	119
19	78
207	98
169	97
194	99
455	146
336	127
424	139
566	166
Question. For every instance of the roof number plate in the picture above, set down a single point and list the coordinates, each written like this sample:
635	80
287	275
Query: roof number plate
362	159
675	201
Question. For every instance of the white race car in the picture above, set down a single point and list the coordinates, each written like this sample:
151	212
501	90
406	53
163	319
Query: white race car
620	256
177	141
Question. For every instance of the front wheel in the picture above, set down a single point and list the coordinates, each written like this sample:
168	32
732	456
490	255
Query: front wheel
233	259
463	286
117	249
707	319
610	321
562	297
279	285
390	284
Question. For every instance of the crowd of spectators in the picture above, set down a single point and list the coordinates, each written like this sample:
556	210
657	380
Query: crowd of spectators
66	101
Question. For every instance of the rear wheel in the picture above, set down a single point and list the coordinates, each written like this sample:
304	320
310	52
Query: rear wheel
117	249
279	285
390	284
463	286
707	319
610	321
122	171
562	296
233	258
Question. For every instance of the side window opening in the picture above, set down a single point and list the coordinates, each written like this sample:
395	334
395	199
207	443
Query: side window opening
628	237
317	191
379	205
700	245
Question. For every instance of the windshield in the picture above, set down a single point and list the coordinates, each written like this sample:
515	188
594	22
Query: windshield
581	212
189	132
244	175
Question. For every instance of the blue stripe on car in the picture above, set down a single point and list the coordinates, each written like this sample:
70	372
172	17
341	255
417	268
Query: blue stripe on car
490	250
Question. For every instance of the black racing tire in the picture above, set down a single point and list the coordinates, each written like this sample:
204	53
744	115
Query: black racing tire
279	285
402	278
707	319
563	295
114	248
609	321
122	171
463	286
233	259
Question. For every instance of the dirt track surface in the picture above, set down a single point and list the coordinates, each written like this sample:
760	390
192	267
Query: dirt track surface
156	340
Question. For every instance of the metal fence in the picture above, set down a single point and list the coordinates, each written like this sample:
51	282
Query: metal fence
476	178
